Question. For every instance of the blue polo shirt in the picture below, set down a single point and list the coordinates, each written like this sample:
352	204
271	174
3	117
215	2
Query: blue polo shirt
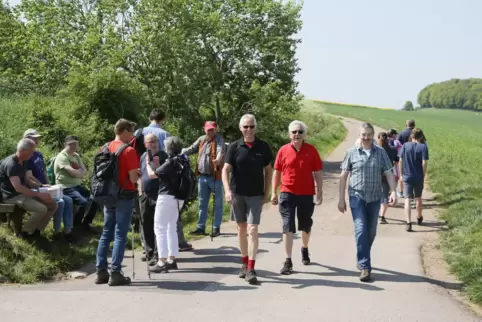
412	155
37	164
159	132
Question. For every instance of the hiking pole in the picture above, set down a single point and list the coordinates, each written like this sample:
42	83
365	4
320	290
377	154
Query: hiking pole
133	251
141	231
214	203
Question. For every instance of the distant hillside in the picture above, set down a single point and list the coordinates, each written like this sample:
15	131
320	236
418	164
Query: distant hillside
453	94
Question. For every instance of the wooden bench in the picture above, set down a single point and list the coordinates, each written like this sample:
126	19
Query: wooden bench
12	214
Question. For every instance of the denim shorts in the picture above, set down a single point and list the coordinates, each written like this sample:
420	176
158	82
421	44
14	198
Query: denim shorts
412	190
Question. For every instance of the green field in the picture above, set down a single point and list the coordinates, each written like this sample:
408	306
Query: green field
454	139
21	262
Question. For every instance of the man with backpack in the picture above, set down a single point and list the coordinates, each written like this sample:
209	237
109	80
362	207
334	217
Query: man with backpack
210	160
116	171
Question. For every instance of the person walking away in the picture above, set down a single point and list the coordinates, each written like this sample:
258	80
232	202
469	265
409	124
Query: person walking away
405	135
413	170
247	177
167	205
393	155
37	173
118	214
210	149
298	166
395	143
365	163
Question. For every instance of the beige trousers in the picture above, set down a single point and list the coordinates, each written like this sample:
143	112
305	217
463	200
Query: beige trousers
41	213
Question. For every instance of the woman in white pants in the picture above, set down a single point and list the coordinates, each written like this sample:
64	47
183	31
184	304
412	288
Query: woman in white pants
167	206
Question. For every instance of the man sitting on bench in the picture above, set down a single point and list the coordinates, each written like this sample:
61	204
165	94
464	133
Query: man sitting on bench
16	192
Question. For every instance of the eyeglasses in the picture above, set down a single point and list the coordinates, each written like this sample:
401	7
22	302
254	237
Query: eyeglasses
248	126
297	132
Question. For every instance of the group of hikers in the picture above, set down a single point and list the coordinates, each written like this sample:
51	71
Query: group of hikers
152	172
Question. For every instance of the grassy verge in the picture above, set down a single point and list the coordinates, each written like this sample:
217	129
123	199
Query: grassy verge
22	262
455	175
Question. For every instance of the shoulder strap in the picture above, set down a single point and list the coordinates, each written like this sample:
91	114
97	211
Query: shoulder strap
120	149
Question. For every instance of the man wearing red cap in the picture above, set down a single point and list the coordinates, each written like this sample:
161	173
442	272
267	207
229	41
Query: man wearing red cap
210	149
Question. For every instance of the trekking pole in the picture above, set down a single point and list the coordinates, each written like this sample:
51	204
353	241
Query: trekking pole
133	251
214	203
141	231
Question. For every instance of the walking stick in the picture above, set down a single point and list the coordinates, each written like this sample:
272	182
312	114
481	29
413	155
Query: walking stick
214	203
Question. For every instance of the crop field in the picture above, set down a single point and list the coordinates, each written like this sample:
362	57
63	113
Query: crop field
454	139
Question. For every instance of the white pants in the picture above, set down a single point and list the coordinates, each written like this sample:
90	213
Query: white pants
165	225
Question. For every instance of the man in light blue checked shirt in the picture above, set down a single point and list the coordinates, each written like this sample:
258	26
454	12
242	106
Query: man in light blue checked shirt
366	163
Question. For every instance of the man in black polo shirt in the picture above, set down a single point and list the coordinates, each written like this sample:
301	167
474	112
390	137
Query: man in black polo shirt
246	179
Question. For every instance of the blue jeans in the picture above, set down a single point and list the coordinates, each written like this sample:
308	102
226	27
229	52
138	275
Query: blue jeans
365	219
117	220
87	208
206	187
65	211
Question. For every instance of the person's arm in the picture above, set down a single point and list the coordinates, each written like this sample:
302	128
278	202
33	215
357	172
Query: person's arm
166	168
20	188
225	176
317	165
400	162
342	184
346	168
82	168
424	161
132	164
219	148
31	181
276	176
63	163
387	168
193	148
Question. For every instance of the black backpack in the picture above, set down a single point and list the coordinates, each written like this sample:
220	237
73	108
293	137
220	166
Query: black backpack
103	182
137	142
186	186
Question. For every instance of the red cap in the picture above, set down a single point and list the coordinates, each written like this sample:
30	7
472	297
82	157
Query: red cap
209	125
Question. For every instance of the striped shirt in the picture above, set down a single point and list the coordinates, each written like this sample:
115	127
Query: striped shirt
366	170
157	131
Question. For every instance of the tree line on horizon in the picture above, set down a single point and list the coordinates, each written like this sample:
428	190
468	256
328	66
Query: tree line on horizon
455	93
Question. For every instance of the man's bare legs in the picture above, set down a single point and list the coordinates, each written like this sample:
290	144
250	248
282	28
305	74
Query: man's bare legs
243	239
288	243
418	202
253	242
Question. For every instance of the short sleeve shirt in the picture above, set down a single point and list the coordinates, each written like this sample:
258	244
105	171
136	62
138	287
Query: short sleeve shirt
366	171
297	168
62	177
37	164
413	154
10	167
248	162
127	161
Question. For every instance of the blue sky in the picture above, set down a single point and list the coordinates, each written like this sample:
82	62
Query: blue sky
383	52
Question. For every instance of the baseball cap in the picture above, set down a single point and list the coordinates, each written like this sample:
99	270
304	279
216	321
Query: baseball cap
31	133
209	125
71	139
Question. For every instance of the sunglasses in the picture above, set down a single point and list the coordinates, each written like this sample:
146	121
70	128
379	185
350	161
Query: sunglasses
248	126
297	132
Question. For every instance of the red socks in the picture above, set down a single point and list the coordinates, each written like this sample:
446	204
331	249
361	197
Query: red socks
249	262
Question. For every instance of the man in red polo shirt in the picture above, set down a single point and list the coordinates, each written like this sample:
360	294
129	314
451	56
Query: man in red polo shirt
297	164
118	214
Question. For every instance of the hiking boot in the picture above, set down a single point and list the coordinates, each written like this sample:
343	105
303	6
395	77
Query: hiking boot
198	231
159	268
153	261
117	279
408	227
216	232
102	277
365	275
172	265
419	220
305	258
287	267
243	270
251	277
185	247
70	238
383	220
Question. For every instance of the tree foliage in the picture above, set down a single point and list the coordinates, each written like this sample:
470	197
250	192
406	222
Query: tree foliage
408	106
198	60
453	94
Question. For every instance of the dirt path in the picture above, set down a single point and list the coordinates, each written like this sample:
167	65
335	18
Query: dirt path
207	287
